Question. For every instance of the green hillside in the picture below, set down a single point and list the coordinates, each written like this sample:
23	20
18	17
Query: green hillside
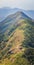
17	42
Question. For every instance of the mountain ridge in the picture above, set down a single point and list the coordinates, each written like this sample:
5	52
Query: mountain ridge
17	40
17	14
4	12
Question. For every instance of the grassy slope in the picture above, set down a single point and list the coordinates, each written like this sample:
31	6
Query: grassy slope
17	44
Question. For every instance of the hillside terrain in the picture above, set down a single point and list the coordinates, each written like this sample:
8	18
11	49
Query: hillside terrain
17	40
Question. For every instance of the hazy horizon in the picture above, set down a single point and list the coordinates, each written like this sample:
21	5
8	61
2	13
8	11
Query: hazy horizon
21	4
16	8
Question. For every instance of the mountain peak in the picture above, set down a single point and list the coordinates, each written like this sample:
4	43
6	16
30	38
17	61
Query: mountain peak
19	14
25	16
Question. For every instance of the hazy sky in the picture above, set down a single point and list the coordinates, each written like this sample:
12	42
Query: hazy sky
22	4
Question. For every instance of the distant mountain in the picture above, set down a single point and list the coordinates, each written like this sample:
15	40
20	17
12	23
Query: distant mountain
30	13
4	12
